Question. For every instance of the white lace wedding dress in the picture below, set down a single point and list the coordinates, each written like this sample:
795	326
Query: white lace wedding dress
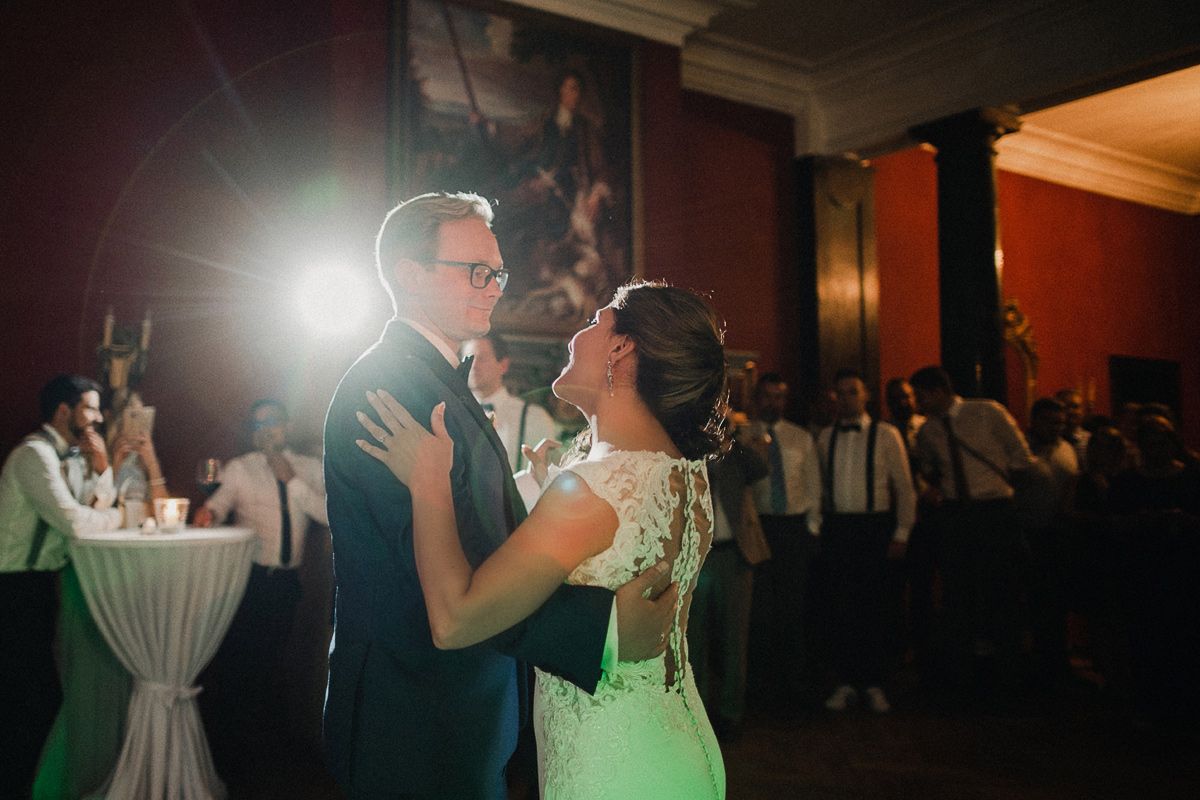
644	733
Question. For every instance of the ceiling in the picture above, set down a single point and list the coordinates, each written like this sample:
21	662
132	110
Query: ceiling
856	75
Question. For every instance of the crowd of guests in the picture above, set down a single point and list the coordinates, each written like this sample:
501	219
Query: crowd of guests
996	563
58	676
944	536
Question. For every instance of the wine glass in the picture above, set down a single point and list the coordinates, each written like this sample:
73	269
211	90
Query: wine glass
208	475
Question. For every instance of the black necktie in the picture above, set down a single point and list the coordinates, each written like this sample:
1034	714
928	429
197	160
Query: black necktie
962	490
778	483
285	533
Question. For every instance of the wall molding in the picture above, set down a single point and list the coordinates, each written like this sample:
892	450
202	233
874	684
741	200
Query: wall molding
1070	161
663	21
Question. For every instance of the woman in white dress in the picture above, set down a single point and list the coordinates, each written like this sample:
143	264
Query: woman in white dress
649	374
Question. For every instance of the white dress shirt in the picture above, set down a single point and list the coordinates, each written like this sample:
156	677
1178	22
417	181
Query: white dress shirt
982	426
249	489
801	472
37	484
893	481
506	412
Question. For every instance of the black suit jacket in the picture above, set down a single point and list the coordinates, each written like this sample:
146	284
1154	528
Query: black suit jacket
402	717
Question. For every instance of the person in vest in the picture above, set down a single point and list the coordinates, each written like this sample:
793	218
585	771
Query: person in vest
869	508
55	485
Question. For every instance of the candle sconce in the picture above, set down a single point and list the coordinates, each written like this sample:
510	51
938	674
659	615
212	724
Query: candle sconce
122	357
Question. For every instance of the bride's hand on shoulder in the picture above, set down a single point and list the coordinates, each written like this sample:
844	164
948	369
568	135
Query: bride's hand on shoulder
409	451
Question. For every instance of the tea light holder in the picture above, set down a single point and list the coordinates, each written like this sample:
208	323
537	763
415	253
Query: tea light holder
170	513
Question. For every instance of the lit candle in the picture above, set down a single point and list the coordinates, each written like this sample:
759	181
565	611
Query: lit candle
108	328
170	513
145	345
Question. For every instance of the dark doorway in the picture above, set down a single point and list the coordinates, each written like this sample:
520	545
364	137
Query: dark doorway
1144	380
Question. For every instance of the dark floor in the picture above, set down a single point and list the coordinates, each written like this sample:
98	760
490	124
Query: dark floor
1071	744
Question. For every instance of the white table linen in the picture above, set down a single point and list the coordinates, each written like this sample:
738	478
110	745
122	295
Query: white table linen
163	603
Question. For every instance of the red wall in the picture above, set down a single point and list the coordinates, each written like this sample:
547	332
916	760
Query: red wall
1095	276
108	200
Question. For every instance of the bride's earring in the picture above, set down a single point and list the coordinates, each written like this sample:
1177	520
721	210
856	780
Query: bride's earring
609	377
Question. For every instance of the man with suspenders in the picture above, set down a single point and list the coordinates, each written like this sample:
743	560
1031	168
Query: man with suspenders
55	484
869	509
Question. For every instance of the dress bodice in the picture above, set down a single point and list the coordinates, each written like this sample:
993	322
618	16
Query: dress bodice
663	510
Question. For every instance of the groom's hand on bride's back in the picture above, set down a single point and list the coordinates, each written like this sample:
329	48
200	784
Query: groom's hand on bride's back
645	611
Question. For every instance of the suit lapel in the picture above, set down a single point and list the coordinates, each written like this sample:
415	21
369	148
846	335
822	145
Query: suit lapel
415	345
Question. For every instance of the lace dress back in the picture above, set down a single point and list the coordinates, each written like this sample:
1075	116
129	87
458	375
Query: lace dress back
644	733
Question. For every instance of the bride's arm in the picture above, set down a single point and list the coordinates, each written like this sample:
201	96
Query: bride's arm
568	525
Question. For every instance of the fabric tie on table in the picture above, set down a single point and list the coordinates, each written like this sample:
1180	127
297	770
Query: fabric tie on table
165	694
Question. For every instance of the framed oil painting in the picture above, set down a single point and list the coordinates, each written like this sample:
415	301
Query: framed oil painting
537	117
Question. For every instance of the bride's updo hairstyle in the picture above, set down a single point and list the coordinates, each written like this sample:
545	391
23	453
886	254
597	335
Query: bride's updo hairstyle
680	362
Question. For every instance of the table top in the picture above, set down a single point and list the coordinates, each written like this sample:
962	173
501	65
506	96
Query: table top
188	537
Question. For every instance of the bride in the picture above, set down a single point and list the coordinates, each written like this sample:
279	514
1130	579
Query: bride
648	372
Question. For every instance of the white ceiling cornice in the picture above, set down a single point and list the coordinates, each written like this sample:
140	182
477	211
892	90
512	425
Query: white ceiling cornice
1070	161
664	21
865	98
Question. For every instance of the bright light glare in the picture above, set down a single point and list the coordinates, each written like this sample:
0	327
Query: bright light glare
333	301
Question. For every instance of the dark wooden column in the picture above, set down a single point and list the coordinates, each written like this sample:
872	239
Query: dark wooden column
839	281
969	252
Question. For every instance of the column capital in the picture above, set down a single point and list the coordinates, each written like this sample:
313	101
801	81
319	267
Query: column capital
969	128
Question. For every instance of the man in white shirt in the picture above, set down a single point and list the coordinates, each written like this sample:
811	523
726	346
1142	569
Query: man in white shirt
1042	505
869	509
276	493
970	450
1075	435
55	485
789	506
517	421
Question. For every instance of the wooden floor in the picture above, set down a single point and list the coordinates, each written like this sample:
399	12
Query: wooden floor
1068	745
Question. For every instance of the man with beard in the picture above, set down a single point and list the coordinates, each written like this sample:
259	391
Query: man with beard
56	484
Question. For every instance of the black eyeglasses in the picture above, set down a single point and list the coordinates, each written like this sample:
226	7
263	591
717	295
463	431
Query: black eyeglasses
481	274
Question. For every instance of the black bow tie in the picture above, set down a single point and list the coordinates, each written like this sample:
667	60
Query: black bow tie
72	452
488	408
849	426
464	368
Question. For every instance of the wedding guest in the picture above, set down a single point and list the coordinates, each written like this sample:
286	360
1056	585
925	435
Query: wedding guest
1159	503
719	617
517	421
789	506
1041	506
917	573
970	450
276	492
55	485
869	510
89	730
1075	434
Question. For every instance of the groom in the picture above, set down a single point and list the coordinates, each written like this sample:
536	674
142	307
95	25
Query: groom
403	719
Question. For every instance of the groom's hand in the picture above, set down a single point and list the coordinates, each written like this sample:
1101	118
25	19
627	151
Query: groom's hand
645	613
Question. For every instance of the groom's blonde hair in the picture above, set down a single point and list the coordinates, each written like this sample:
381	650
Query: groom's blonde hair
410	230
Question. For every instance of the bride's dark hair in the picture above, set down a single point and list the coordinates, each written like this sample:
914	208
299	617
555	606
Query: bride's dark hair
680	362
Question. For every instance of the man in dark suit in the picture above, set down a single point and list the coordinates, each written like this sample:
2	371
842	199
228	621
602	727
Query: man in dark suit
403	719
